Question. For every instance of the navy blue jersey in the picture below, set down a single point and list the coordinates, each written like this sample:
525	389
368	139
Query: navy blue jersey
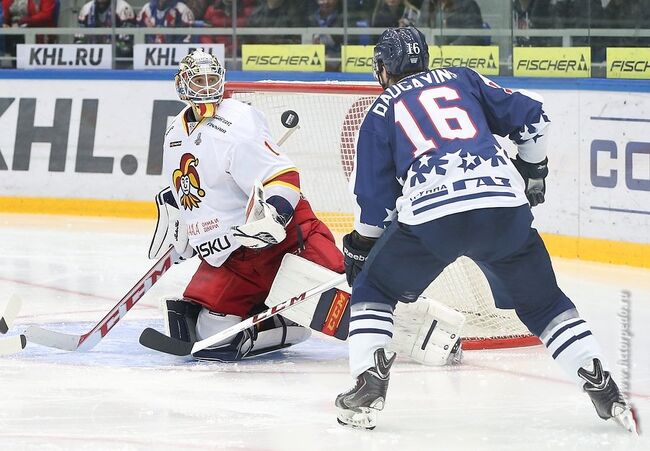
426	148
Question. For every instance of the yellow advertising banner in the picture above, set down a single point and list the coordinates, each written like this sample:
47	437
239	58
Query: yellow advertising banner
291	57
624	62
357	58
483	59
435	53
551	62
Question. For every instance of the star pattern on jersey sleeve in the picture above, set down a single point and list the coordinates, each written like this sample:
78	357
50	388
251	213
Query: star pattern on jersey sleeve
498	158
390	215
532	130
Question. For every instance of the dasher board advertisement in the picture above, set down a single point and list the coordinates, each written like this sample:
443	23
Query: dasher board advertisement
64	56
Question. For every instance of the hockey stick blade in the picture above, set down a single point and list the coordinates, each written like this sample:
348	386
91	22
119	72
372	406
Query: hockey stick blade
85	342
153	339
10	313
11	345
53	339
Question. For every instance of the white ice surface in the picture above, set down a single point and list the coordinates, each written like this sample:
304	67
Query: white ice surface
121	396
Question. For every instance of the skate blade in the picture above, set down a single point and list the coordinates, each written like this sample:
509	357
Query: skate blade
365	418
628	419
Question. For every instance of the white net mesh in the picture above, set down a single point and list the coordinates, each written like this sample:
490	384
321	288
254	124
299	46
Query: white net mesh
323	149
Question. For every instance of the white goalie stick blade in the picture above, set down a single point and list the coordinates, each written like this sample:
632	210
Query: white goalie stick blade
426	331
9	314
84	342
13	344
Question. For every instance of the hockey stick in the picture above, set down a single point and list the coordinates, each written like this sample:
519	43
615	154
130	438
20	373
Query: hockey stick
158	341
287	134
11	345
11	309
16	343
73	342
290	120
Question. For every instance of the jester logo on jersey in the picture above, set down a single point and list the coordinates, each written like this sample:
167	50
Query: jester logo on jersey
186	178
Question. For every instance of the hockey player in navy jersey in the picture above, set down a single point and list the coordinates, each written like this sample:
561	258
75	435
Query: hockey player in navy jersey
431	184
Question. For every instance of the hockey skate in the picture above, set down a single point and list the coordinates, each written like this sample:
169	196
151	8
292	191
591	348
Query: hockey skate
358	406
607	398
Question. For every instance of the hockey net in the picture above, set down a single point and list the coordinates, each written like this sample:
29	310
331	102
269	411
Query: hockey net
323	149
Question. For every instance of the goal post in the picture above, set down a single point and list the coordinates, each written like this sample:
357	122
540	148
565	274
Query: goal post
323	150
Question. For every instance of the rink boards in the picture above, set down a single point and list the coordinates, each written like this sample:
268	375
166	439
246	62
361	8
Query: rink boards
93	147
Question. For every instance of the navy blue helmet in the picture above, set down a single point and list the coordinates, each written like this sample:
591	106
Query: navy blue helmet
402	51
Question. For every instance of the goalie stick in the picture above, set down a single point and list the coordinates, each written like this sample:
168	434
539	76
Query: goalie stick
13	344
158	341
84	342
11	309
16	343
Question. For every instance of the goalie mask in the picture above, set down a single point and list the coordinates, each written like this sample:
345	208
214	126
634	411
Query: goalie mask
200	79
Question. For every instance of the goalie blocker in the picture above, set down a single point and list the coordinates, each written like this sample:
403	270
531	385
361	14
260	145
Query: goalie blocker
426	331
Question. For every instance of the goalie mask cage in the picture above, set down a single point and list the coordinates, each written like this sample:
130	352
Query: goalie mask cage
323	150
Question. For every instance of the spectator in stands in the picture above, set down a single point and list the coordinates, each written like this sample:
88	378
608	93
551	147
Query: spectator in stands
619	14
98	14
219	15
625	14
579	13
359	16
360	12
198	7
395	13
584	14
279	14
328	14
166	13
529	14
28	13
457	14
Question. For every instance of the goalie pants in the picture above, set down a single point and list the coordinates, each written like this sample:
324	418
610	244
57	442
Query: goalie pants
243	282
512	255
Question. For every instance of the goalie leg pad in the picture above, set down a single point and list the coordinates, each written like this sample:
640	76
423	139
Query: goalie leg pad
180	318
281	334
230	350
272	335
428	332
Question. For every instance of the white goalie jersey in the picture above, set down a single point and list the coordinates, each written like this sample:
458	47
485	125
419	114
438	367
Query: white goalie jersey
212	165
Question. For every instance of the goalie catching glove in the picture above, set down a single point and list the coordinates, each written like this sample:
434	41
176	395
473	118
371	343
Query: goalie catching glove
170	228
264	227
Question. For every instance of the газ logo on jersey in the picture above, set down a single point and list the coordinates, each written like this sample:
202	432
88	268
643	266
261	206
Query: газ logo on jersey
187	178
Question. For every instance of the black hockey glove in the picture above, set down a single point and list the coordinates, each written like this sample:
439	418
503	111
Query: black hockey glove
533	175
355	250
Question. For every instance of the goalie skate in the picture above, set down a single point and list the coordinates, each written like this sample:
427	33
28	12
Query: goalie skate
358	406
